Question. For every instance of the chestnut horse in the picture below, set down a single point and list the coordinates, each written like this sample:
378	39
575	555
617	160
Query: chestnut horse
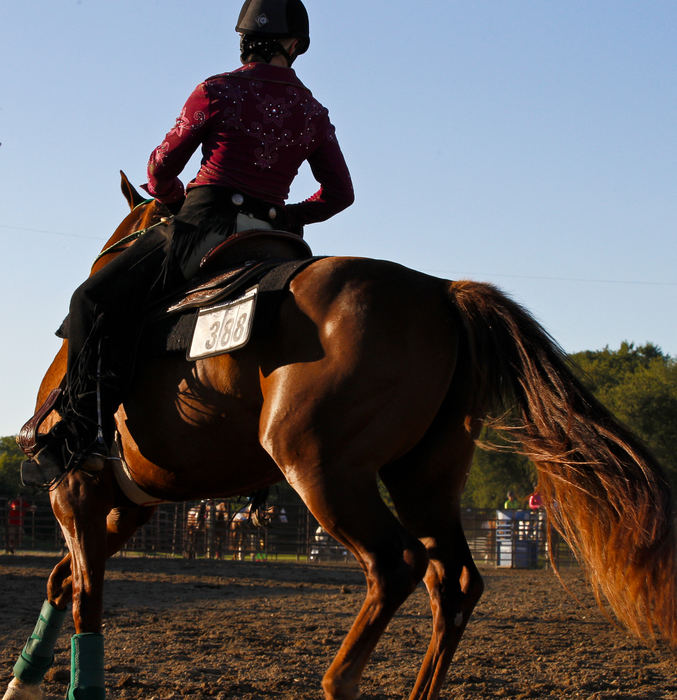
369	370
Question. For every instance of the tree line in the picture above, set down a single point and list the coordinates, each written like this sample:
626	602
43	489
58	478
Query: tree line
637	384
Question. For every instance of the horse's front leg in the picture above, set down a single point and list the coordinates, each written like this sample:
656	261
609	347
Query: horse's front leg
81	504
37	655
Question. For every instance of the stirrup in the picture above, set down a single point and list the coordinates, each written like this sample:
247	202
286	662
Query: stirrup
92	462
55	459
45	467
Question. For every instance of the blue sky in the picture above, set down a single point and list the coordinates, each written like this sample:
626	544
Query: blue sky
528	143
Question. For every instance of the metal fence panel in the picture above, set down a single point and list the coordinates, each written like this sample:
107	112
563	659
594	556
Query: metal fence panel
222	529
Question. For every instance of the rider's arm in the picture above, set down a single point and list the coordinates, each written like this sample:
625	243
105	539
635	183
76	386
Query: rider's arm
336	188
171	156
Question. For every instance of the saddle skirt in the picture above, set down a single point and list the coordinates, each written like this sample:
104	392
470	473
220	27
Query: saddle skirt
237	262
261	263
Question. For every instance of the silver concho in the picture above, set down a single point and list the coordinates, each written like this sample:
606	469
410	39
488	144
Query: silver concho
237	199
262	19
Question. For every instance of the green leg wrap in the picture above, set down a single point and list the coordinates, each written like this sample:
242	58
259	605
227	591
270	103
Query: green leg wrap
38	654
87	681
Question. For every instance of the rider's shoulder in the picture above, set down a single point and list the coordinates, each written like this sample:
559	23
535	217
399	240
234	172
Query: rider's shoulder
220	80
218	77
247	71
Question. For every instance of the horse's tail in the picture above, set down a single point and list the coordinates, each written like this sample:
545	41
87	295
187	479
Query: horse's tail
602	489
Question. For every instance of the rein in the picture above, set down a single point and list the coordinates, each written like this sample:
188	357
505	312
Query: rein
130	237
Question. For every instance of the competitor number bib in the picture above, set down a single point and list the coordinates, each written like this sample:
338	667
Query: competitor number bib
223	328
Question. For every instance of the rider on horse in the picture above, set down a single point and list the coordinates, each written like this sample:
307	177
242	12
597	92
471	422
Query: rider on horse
256	125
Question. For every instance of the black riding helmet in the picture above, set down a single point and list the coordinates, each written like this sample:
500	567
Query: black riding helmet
275	19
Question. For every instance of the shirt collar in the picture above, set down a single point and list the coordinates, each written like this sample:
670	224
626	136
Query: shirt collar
264	71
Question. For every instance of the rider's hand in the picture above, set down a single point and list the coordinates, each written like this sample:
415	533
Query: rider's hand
171	198
174	207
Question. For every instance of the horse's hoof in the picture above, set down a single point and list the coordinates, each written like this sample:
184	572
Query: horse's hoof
17	690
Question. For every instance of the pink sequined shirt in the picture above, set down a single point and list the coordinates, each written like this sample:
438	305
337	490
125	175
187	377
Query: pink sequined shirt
257	125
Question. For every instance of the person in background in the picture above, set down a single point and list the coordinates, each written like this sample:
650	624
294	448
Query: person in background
511	502
535	501
17	509
536	513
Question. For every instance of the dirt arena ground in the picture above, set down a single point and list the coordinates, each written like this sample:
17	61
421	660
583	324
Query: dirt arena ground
179	629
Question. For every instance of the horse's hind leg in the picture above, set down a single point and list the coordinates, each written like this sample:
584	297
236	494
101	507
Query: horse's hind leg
426	489
348	505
